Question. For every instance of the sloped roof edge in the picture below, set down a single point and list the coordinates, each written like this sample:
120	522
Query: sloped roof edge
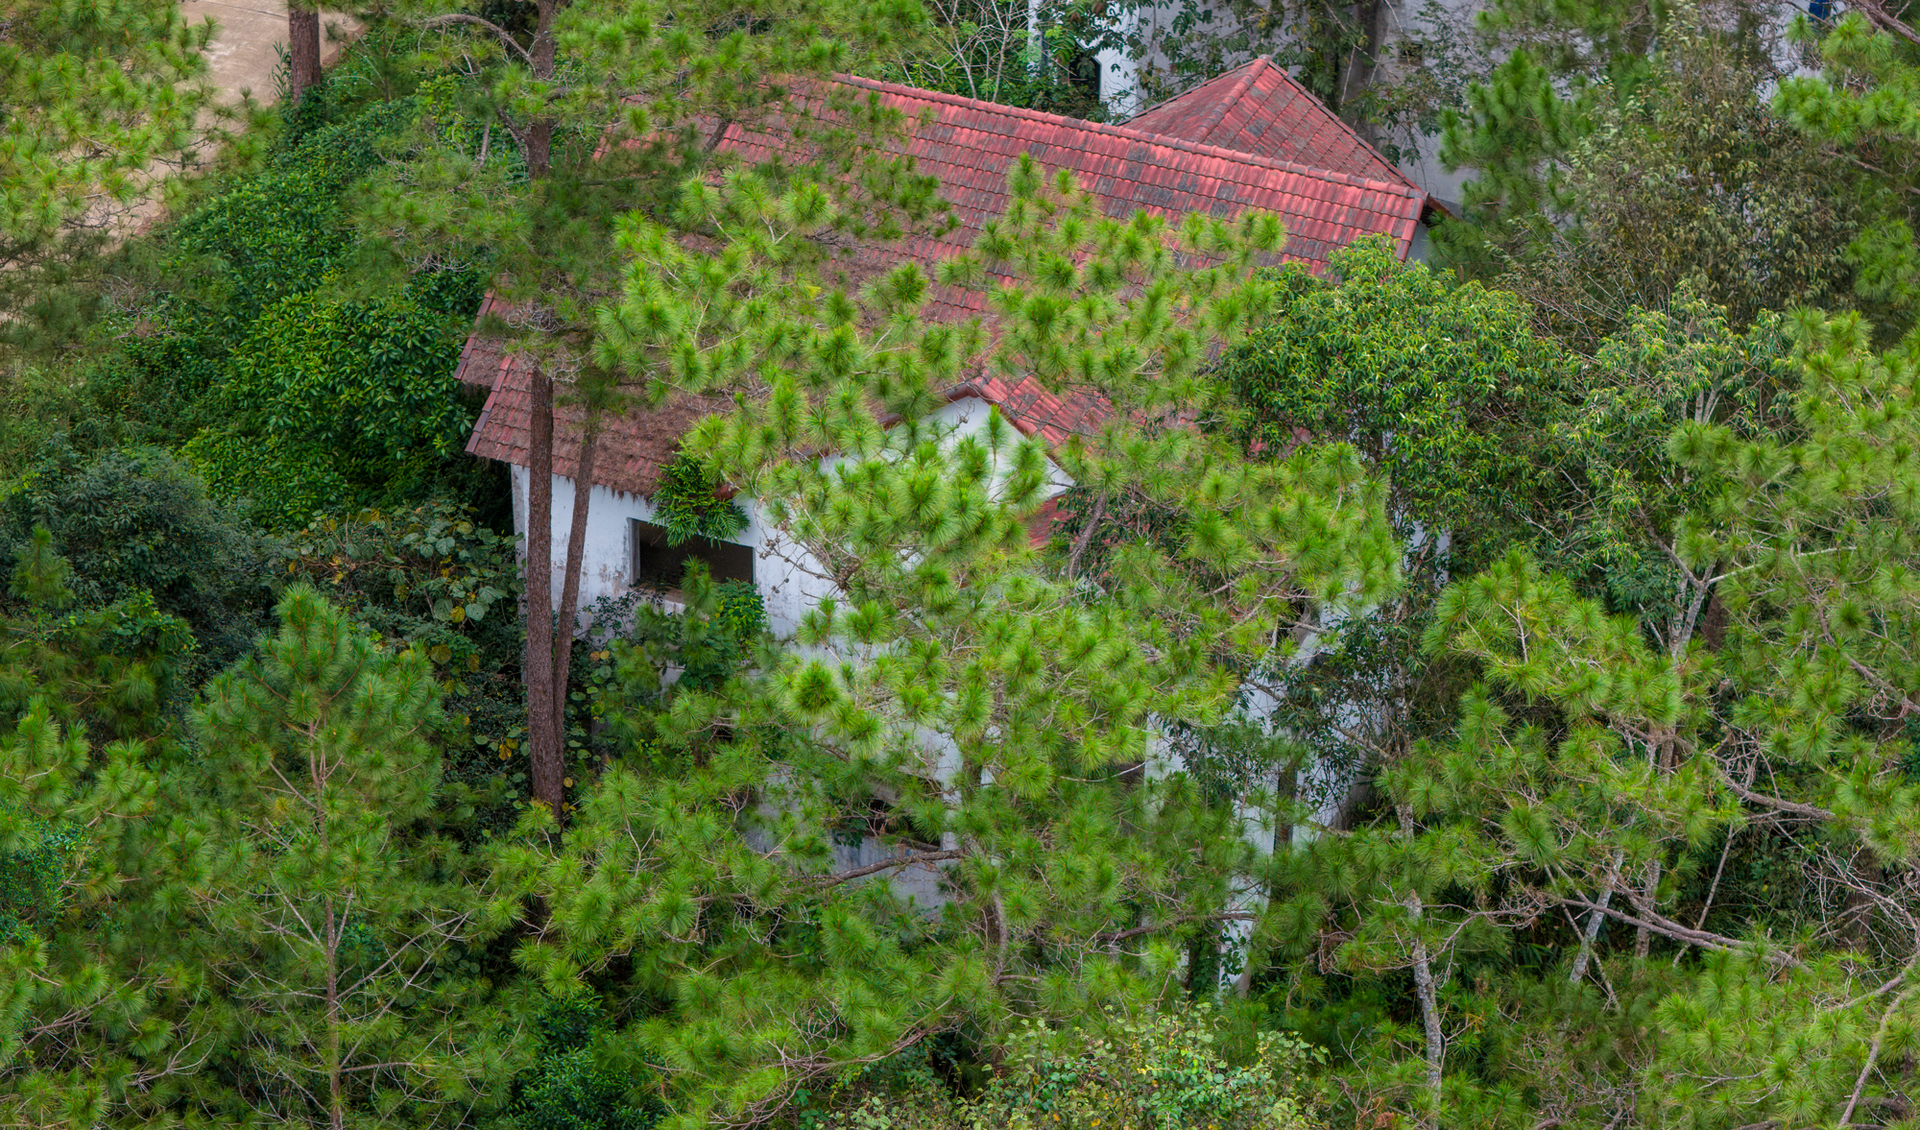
1399	188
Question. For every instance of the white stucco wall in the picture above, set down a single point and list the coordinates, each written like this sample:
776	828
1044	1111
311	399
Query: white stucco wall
787	576
1400	21
791	580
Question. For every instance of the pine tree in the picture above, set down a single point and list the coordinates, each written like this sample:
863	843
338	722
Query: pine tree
331	920
1857	109
98	95
602	109
255	929
991	713
1610	780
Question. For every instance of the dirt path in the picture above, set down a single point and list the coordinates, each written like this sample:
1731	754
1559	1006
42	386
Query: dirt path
243	57
246	50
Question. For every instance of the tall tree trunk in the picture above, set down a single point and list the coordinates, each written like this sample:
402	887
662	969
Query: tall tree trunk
303	50
540	131
570	583
1424	986
1357	70
547	759
1425	989
1595	919
336	1098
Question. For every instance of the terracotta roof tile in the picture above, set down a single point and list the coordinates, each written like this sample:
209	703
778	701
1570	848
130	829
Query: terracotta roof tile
970	146
1259	109
632	452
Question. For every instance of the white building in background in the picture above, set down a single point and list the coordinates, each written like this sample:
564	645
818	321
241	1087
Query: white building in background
1411	35
1249	140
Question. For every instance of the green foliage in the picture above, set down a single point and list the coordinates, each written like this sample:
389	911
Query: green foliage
119	669
334	913
1445	391
280	231
568	1089
689	503
1859	110
1659	370
65	813
719	633
1623	146
429	579
33	862
1601	775
275	483
331	394
986	49
1165	1071
432	581
137	522
95	93
1689	178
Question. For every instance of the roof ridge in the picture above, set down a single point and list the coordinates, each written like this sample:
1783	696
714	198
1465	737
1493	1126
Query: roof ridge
1195	88
1398	188
1218	113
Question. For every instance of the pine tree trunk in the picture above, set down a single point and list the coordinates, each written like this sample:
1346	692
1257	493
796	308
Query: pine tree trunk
1643	938
336	1101
540	131
546	760
1426	990
303	50
570	583
1595	919
1423	984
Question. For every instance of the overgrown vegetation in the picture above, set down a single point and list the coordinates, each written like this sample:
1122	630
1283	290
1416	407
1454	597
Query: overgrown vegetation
1438	699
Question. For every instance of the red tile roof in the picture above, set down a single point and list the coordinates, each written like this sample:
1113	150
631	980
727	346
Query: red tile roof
969	146
633	450
1260	109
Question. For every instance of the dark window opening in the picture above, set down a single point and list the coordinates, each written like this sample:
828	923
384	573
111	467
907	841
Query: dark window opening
663	567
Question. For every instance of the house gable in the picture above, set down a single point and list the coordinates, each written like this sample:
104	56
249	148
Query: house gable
969	147
1259	109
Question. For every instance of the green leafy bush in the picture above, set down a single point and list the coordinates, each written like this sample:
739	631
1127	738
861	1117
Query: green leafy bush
433	579
133	522
278	233
1163	1072
273	482
570	1088
428	577
32	863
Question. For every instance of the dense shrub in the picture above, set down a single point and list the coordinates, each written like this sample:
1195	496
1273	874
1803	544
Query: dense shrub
278	233
133	522
428	577
1164	1072
570	1088
434	579
328	402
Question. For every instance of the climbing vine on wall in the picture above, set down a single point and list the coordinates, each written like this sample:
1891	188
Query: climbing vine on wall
689	503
